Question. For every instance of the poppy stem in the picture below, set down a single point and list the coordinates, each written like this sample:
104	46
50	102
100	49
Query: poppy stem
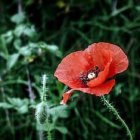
49	136
44	89
115	112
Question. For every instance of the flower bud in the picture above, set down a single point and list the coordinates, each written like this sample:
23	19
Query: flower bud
41	112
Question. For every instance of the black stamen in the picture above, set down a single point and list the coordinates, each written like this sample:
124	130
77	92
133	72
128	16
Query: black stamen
84	76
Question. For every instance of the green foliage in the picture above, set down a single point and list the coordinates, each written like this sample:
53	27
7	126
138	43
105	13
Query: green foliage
20	105
47	115
11	60
34	37
18	18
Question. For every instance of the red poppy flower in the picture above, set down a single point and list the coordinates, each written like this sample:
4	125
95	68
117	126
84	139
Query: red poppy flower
92	70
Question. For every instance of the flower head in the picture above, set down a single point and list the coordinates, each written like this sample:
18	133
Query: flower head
92	70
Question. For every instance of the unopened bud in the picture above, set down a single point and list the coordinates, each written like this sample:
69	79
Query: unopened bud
41	113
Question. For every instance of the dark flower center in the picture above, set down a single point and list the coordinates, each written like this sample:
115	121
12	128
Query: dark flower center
89	75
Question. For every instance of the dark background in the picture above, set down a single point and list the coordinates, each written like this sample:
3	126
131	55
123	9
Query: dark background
34	36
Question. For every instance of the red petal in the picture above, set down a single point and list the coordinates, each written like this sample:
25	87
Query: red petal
100	90
119	59
71	67
102	76
100	56
66	96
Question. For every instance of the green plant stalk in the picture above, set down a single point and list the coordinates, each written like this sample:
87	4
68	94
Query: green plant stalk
115	112
43	98
49	136
43	94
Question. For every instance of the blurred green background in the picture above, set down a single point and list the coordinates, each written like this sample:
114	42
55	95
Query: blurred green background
34	36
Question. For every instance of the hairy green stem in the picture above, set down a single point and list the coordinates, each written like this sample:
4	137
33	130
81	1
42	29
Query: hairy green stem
49	136
43	99
115	112
43	94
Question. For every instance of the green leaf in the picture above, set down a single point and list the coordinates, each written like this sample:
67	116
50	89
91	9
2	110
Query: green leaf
118	89
59	112
51	48
5	105
20	105
3	48
8	36
62	129
19	30
28	50
30	32
25	30
25	51
18	18
17	43
12	59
